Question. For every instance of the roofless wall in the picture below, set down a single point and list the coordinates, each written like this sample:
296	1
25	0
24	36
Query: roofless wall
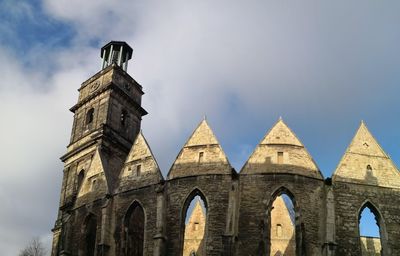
115	201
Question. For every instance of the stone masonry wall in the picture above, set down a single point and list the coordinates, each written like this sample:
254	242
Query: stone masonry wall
215	189
349	199
257	193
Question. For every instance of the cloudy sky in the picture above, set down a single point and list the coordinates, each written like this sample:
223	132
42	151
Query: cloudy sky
321	65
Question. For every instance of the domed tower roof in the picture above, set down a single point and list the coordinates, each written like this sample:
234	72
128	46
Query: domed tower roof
280	151
365	162
202	154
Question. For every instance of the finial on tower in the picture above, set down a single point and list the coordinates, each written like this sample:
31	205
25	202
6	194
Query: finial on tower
117	52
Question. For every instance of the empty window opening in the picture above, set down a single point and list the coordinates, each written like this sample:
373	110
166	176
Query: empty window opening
94	184
280	157
89	116
88	243
194	230
279	230
201	157
124	116
370	238
196	226
81	176
115	56
282	233
138	170
134	230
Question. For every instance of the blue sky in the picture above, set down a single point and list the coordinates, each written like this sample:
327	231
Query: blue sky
322	66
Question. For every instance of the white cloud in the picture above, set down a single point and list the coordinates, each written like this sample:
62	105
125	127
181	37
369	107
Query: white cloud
35	130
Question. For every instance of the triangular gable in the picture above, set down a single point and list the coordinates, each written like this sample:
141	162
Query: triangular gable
280	151
365	162
203	135
198	214
140	168
201	154
95	177
281	134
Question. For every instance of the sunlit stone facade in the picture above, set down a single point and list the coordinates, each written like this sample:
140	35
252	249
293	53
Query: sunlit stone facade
115	201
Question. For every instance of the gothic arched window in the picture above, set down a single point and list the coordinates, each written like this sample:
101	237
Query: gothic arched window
371	229
282	228
194	221
134	230
88	241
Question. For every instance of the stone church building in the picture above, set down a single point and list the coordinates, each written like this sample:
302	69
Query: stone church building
115	201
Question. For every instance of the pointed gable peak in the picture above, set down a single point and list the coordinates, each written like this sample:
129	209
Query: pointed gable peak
364	142
141	167
197	214
202	135
201	155
198	207
140	149
280	133
365	162
280	151
96	173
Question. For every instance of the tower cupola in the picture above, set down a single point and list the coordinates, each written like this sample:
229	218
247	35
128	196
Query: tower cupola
117	52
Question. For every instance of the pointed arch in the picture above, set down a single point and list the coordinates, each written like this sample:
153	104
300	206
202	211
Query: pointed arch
380	222
283	233
134	230
88	236
282	190
196	192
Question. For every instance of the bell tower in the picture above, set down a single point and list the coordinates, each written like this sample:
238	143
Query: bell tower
109	103
107	118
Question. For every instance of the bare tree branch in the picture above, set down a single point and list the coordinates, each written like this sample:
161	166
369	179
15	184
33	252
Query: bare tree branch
34	248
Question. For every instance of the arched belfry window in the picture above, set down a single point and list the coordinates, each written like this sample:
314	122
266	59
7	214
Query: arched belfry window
134	226
194	224
88	240
89	116
283	231
372	231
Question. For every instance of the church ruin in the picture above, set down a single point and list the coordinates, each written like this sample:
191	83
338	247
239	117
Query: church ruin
115	201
